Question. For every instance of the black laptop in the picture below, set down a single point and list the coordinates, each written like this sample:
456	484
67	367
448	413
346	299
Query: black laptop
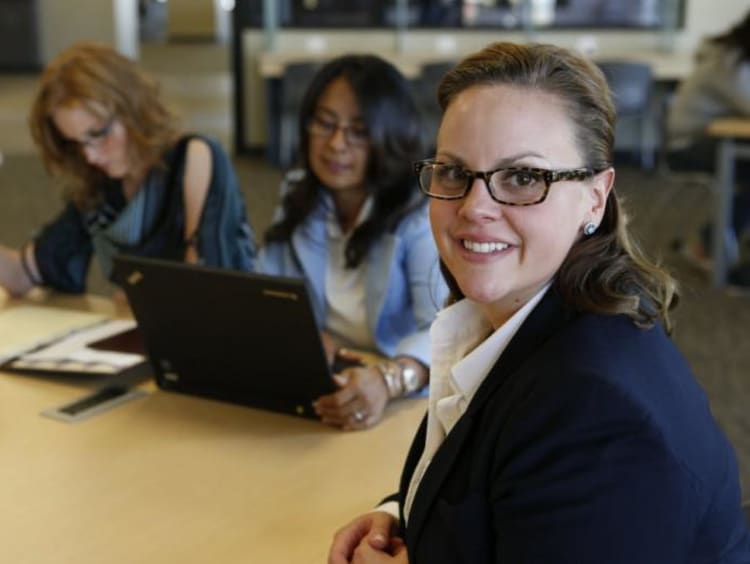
234	336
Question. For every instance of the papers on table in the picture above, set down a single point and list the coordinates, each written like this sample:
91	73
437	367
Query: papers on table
53	339
25	327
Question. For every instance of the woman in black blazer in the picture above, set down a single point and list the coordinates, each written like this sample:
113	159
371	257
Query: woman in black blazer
563	424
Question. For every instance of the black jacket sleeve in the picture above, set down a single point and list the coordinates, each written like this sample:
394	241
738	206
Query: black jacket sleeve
63	251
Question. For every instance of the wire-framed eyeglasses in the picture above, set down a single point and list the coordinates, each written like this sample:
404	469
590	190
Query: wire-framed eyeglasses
355	134
93	138
512	186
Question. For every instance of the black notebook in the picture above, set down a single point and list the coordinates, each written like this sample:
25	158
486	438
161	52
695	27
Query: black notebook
242	337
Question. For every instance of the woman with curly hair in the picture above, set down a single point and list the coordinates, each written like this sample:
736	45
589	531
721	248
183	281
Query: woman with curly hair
134	183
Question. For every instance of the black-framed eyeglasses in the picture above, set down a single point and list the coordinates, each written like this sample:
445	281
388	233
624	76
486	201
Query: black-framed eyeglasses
93	138
355	134
512	186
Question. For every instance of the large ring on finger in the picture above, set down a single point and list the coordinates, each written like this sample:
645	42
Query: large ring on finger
359	416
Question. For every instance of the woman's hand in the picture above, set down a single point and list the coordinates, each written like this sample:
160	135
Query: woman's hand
362	397
395	554
365	537
330	346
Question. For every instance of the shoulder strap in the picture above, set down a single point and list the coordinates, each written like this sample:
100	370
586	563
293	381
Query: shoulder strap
166	239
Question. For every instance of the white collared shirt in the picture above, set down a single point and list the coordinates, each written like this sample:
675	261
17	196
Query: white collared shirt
345	287
464	350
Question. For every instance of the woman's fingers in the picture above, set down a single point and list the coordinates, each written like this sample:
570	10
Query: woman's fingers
358	404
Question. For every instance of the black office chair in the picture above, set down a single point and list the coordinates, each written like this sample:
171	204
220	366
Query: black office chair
425	95
297	77
632	89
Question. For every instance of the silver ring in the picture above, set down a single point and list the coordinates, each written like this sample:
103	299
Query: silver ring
359	416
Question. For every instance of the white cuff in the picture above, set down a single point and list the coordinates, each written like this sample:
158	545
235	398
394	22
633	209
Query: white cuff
389	507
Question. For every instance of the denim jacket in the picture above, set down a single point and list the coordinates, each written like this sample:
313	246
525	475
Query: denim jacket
403	285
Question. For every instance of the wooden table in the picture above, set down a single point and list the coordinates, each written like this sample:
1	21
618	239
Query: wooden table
170	478
734	143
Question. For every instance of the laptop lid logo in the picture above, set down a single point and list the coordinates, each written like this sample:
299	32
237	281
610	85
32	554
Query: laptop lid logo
281	294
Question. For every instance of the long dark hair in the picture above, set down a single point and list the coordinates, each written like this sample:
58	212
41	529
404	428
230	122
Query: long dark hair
606	272
392	120
737	37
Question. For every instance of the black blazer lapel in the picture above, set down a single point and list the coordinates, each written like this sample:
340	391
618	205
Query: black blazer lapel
433	479
546	319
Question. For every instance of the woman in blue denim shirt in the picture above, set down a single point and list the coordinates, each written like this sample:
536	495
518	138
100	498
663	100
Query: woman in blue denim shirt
353	223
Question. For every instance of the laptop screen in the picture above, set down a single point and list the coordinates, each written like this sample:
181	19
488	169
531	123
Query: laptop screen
235	336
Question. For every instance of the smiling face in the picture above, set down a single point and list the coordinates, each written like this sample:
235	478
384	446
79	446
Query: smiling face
102	142
338	153
501	255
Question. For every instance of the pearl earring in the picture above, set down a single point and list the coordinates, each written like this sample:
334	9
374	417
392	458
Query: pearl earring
589	228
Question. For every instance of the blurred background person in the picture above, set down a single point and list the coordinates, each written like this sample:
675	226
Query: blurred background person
134	183
353	223
719	86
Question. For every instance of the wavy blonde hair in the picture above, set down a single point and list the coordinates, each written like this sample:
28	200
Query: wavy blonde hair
607	272
109	85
